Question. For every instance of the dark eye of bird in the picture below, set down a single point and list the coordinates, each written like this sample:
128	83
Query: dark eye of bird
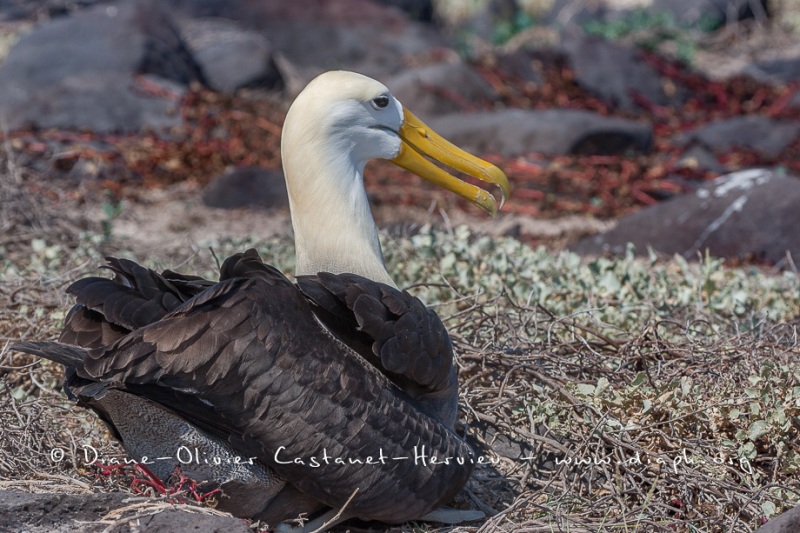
381	101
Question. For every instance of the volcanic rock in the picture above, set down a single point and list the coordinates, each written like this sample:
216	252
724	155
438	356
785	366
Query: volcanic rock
766	135
616	73
230	56
512	132
65	513
788	522
440	88
750	214
80	72
247	187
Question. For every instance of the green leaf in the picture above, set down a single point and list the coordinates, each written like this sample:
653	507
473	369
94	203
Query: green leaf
610	282
18	393
602	384
756	429
748	450
768	508
686	385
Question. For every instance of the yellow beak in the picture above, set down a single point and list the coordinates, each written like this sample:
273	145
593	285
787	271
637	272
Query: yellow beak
418	139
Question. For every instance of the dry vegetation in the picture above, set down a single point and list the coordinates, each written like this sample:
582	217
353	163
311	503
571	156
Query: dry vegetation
615	395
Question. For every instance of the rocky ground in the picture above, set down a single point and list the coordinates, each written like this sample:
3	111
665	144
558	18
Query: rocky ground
594	112
153	127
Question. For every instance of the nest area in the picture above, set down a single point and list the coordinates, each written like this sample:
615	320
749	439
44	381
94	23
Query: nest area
584	431
607	394
617	394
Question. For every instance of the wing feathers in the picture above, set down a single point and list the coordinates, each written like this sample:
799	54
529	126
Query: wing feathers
89	329
391	329
60	353
250	347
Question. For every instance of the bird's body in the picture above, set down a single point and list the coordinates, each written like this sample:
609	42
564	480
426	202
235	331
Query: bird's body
310	393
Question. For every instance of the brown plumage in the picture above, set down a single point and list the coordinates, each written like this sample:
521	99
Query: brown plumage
246	363
341	365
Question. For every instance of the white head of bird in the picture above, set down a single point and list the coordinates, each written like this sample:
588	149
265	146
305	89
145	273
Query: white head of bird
337	124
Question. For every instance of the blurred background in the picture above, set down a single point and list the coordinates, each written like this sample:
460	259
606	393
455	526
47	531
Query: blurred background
597	110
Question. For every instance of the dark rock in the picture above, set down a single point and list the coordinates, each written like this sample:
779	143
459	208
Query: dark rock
247	187
794	101
766	135
18	10
523	65
176	521
699	158
776	71
711	14
421	10
440	88
513	132
614	72
165	54
359	35
54	512
79	72
65	513
788	522
231	9
368	36
230	56
747	215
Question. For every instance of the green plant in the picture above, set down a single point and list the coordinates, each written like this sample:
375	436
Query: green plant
112	208
650	29
506	29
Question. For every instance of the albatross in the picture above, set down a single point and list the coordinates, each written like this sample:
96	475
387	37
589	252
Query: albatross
336	391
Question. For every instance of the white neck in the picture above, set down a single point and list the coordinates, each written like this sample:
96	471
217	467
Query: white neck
333	225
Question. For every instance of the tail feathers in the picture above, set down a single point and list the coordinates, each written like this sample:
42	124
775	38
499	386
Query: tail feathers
66	354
